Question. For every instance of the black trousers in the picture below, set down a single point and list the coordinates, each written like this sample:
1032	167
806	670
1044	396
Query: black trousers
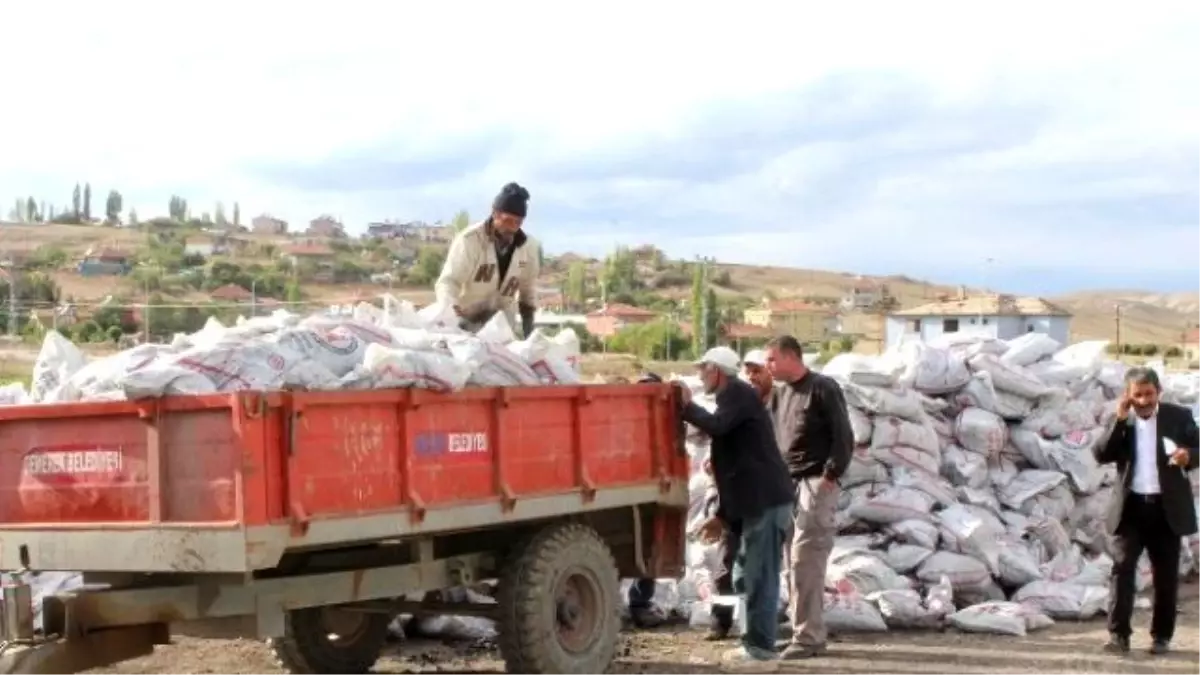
731	541
1144	527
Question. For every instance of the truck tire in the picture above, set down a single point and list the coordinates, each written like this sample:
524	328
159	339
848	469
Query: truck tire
559	603
330	640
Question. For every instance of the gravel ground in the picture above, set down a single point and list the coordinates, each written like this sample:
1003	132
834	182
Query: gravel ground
1065	648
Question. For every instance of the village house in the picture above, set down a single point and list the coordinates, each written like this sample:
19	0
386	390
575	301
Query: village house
325	226
231	294
736	335
995	315
610	319
315	260
267	224
805	321
105	262
863	295
1190	347
413	230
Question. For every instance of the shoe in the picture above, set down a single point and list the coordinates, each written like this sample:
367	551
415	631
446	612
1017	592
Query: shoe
721	624
740	660
1117	644
795	652
1160	647
647	617
717	633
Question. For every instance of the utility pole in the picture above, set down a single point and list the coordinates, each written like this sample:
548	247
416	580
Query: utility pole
1118	318
703	327
9	271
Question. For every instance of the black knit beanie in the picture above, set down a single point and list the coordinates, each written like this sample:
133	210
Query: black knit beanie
512	199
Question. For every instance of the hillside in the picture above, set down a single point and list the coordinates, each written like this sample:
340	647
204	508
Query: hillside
1147	317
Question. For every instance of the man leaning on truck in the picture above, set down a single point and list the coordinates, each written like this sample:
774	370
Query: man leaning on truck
812	427
754	492
493	266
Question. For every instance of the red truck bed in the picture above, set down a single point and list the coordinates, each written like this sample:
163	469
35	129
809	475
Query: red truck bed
228	483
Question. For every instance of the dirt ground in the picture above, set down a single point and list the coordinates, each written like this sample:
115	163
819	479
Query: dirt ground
1065	648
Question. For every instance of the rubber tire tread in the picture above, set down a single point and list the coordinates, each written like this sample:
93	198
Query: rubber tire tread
305	648
527	580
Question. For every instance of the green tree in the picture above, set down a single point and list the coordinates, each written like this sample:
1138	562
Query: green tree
428	266
712	318
87	202
657	340
697	307
113	207
576	294
77	201
177	209
293	293
461	221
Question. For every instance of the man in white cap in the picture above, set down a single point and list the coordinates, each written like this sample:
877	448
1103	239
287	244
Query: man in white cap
755	495
754	368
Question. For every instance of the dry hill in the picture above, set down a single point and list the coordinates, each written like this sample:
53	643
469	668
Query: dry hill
1147	317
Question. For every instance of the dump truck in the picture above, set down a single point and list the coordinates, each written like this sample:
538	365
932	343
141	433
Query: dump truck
313	519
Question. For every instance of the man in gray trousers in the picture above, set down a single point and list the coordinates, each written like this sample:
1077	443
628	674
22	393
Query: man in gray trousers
812	429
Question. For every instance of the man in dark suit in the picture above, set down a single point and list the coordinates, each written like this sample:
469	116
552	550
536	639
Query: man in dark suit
1152	507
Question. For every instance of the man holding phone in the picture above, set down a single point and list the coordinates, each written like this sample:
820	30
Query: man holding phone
1153	445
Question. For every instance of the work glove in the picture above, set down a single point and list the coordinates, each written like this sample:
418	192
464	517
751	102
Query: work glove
527	312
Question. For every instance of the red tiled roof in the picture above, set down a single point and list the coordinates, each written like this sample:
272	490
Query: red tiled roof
1193	336
620	310
785	306
747	330
231	292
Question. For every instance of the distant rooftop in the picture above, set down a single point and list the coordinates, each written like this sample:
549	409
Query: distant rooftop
987	305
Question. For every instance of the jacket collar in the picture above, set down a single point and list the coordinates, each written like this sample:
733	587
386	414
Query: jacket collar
518	239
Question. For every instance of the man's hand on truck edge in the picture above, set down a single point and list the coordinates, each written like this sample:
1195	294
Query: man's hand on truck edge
711	530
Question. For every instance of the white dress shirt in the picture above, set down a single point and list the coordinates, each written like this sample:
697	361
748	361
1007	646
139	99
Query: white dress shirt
1145	463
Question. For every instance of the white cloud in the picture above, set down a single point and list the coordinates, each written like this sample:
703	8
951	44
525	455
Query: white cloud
156	98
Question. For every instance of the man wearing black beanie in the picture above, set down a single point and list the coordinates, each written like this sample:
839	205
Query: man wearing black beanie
493	266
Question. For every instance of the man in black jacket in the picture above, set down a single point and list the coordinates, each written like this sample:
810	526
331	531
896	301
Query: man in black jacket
812	428
1152	507
754	492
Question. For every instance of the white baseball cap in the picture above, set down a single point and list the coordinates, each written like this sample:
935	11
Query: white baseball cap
755	357
722	357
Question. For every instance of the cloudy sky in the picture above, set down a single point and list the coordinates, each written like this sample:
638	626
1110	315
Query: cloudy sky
1060	139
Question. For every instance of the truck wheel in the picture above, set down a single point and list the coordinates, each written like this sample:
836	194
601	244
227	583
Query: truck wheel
330	640
559	604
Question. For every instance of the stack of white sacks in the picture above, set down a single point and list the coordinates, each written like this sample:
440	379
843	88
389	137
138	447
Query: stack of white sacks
973	499
371	349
